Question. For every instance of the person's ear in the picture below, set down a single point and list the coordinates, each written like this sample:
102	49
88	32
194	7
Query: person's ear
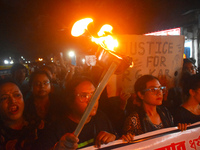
141	96
192	92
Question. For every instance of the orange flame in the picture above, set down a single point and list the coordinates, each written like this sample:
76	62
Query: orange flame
80	26
105	28
105	41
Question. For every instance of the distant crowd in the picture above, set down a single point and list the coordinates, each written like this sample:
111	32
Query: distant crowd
40	108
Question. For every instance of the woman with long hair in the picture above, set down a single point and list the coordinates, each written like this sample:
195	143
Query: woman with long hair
151	115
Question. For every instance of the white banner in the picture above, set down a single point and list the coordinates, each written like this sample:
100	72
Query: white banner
163	139
160	56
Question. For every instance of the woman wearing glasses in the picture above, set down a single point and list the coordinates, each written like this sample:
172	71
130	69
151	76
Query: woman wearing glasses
151	115
41	105
97	129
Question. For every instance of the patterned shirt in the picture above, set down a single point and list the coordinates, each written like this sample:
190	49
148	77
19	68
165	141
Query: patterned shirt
138	122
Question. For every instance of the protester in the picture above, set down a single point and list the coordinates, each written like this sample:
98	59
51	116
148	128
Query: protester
42	106
117	108
19	73
151	115
97	129
189	65
56	87
189	111
175	96
15	131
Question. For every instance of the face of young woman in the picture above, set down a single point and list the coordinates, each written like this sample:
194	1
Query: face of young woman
83	93
41	85
11	102
151	97
190	67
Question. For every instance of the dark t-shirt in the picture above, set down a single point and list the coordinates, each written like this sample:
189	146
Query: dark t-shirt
90	130
11	139
183	115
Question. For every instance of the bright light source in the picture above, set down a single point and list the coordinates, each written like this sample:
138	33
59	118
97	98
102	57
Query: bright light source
9	57
83	60
6	62
29	61
80	26
40	59
11	62
26	62
22	57
71	54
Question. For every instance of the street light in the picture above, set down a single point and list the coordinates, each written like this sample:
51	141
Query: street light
83	61
11	62
72	55
6	62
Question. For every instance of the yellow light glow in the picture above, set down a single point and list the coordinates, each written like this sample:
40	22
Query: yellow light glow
40	59
80	26
104	39
71	54
132	65
105	28
107	42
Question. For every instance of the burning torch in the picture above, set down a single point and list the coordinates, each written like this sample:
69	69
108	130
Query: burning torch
106	57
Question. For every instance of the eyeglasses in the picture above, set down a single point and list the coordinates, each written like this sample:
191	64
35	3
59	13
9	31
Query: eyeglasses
156	90
84	97
45	83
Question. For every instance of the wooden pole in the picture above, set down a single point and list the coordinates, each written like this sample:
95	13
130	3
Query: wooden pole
96	94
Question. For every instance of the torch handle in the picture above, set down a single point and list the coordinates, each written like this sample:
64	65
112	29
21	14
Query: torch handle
95	96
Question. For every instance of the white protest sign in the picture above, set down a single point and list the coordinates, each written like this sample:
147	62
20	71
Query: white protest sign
160	56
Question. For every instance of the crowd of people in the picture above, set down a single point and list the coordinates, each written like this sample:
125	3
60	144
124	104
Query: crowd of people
42	108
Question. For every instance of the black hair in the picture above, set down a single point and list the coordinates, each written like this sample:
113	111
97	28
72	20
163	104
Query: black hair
8	80
140	83
192	82
189	60
71	86
47	67
33	75
18	66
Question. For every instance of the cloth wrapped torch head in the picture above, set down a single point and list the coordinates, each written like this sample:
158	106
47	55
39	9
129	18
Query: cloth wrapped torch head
106	57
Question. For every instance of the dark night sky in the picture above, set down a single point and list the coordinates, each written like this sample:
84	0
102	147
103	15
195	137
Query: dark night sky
39	27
